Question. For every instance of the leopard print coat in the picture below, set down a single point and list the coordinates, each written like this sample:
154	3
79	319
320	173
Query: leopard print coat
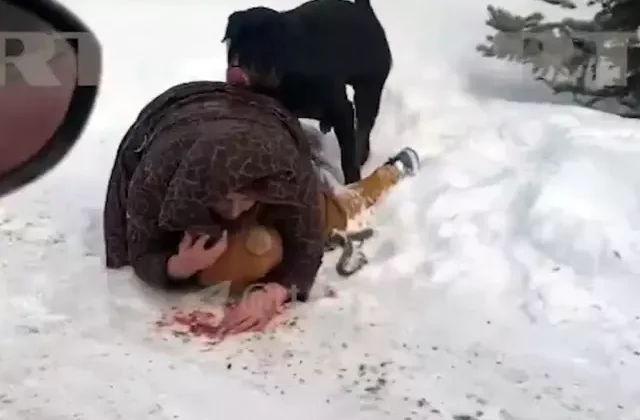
190	147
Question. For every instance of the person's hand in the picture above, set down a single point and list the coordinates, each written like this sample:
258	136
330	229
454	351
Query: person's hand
193	256
254	311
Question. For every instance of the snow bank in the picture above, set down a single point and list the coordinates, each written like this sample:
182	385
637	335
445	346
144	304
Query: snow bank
503	278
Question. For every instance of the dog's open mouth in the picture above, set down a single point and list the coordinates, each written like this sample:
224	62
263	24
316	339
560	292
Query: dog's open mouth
237	76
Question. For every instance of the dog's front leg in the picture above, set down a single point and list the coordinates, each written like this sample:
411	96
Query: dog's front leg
342	116
349	152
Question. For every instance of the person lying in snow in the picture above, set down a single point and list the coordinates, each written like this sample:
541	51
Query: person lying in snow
216	183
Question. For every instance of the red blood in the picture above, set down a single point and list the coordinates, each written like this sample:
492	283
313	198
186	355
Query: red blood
198	323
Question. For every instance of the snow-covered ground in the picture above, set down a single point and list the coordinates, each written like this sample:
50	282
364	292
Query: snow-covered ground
503	284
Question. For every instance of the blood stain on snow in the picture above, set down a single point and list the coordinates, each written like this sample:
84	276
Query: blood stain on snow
197	323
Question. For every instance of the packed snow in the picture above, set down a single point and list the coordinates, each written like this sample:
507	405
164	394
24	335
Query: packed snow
503	282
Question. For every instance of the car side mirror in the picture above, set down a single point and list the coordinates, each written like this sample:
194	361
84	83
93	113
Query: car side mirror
50	66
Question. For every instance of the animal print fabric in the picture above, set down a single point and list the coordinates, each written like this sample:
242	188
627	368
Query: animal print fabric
188	149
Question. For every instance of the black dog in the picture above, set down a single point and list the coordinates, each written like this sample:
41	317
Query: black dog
306	56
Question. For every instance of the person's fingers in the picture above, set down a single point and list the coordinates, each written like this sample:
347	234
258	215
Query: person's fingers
232	318
251	293
254	306
262	323
201	242
246	325
223	331
220	247
226	321
224	240
186	242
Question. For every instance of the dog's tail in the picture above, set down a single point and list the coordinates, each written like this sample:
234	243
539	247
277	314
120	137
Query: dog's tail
363	3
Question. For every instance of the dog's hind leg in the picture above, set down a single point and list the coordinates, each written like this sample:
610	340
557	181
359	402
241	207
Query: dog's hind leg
367	97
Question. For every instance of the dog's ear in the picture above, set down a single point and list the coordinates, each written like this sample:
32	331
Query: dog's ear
234	23
251	19
257	38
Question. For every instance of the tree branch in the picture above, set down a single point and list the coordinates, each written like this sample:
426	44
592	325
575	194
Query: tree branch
519	39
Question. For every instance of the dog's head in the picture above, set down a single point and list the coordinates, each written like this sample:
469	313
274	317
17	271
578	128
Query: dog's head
256	44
